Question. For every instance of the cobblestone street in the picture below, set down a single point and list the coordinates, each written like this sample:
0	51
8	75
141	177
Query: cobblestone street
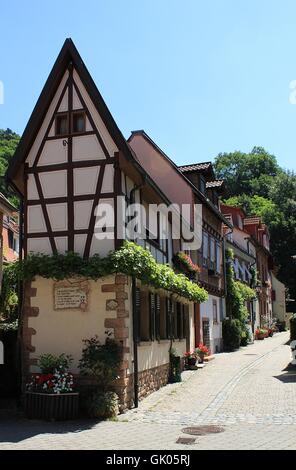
251	393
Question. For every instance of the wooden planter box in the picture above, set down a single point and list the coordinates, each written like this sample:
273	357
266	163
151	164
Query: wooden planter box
260	337
51	406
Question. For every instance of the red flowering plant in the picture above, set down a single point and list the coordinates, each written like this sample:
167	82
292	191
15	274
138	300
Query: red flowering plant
54	376
261	333
190	354
202	350
183	261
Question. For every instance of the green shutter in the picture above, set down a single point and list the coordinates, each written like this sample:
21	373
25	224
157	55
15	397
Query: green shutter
152	316
138	313
157	317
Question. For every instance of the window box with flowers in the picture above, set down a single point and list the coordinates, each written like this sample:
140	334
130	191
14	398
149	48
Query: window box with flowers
50	395
184	263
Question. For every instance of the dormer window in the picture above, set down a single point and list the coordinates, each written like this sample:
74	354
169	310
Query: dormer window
61	124
78	122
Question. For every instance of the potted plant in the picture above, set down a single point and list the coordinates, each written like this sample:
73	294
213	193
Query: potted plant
175	367
260	334
101	363
190	359
202	351
51	395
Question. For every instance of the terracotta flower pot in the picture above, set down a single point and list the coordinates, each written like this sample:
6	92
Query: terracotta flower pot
201	358
191	361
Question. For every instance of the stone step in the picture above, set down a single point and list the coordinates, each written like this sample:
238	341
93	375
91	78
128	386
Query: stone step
209	358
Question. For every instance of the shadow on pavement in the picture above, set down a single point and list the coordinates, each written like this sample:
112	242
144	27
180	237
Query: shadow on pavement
17	430
288	375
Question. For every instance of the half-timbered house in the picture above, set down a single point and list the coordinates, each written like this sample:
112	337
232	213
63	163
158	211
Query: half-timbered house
194	184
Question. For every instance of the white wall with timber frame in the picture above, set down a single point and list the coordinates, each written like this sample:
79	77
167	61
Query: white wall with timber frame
67	175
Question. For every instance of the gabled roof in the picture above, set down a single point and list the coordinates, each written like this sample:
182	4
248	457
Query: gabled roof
215	184
67	55
226	209
195	167
7	206
177	168
218	185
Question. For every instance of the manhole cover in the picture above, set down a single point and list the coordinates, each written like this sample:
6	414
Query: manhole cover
186	440
202	430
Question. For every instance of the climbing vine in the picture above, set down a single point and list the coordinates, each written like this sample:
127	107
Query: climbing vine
130	259
8	297
237	296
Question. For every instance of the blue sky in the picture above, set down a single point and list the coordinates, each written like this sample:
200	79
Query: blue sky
199	77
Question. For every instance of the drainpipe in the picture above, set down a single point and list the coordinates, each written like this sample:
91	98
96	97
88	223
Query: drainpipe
135	322
224	262
251	265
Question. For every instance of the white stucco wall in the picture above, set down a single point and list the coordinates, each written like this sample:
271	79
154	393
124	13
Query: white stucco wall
206	311
62	331
156	353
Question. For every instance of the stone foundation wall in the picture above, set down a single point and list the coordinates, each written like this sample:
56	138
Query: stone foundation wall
152	379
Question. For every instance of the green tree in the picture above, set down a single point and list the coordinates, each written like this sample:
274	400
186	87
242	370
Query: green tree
256	183
8	143
247	173
254	205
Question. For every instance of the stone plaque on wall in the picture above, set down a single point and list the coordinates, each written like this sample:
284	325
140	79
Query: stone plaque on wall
71	295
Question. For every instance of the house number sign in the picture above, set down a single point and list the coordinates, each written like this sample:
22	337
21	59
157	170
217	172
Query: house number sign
71	295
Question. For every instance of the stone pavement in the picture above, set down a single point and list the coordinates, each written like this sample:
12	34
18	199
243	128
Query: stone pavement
251	393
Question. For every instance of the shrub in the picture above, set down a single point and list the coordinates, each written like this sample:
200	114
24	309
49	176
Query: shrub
231	332
9	296
102	405
101	361
245	336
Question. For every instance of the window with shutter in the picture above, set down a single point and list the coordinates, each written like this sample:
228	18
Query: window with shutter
144	323
185	320
163	334
157	317
138	313
152	315
174	320
168	318
205	249
179	332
